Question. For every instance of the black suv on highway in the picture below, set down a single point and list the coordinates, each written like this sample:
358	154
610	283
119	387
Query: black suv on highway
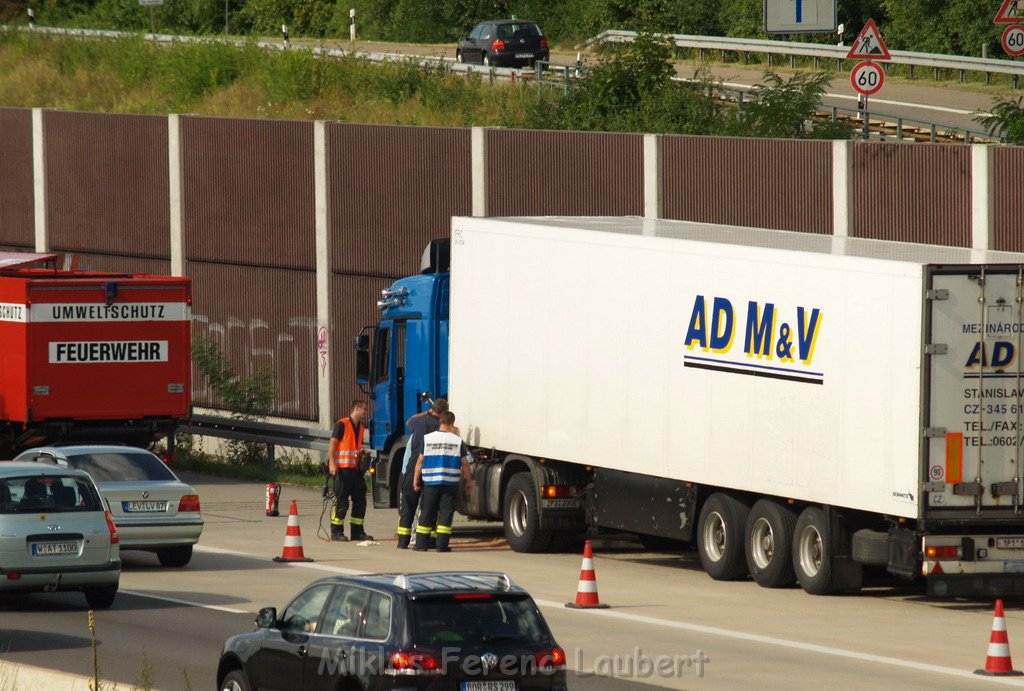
453	630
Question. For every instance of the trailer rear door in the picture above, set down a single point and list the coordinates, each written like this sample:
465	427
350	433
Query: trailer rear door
972	436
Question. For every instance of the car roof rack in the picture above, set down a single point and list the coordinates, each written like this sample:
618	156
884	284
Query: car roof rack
454	580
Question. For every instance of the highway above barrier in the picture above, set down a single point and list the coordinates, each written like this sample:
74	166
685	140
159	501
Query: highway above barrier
170	623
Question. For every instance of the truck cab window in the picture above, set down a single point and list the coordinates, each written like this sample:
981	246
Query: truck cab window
381	346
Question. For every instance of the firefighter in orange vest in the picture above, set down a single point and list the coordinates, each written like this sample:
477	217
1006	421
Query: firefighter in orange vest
343	463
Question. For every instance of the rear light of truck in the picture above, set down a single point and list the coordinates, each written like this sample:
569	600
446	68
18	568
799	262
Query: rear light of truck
190	502
947	552
114	539
551	659
556	491
498	45
409	662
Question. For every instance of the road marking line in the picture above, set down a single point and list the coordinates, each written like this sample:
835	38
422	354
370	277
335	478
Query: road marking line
229	610
883	101
684	626
785	643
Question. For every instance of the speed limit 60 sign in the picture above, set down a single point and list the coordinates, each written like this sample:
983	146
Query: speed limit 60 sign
867	77
1013	40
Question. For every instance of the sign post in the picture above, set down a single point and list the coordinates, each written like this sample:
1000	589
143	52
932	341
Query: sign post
151	4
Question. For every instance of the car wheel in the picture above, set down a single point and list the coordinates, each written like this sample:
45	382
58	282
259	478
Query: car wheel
458	57
175	556
769	540
100	597
486	60
235	681
522	516
723	519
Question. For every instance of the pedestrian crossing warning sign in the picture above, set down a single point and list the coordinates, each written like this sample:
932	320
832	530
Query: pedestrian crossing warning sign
869	45
1009	12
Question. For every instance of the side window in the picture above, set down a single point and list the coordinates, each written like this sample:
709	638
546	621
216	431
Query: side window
486	30
345	611
304	611
378	617
382	346
477	31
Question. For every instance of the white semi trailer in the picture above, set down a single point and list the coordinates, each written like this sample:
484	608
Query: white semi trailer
798	406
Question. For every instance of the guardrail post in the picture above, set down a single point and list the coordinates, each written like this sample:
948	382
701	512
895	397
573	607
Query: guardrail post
792	61
988	77
912	71
1016	81
815	61
702	52
769	56
963	76
937	74
835	113
270	457
899	128
931	137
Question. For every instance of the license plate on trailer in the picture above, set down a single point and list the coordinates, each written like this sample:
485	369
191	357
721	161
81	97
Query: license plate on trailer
560	503
1010	542
488	686
521	56
1013	567
143	506
51	549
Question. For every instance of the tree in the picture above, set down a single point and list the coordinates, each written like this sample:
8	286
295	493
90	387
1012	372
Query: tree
1006	120
783	107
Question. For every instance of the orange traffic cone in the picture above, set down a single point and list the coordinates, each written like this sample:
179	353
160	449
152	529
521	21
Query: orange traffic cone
586	592
998	662
293	538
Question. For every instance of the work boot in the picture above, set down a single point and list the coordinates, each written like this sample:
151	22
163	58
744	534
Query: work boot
403	542
421	543
358	534
442	544
338	536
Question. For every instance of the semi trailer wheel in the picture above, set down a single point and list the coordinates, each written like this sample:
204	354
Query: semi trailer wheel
769	541
720	537
812	551
521	516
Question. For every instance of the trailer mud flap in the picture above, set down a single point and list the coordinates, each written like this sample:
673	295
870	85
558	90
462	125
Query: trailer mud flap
975	585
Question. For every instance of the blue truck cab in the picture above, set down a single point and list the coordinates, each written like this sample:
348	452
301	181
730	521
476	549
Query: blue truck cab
405	364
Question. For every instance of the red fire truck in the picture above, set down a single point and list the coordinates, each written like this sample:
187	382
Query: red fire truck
90	356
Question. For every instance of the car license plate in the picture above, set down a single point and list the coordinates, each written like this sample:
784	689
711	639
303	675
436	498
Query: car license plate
143	506
488	686
1013	567
521	56
568	503
1010	542
49	549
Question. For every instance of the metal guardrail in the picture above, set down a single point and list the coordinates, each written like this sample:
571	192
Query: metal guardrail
822	51
255	431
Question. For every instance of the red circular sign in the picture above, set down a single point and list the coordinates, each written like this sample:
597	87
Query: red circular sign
867	77
1013	40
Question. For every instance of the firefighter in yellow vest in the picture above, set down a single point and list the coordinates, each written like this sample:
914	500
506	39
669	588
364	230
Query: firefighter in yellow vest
343	463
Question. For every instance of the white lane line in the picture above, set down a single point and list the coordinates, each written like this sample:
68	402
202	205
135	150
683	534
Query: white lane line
190	603
696	628
874	100
785	643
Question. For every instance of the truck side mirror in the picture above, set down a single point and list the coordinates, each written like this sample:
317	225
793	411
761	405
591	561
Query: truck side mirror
362	359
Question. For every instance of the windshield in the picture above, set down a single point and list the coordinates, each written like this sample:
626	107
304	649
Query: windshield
50	493
477	618
122	466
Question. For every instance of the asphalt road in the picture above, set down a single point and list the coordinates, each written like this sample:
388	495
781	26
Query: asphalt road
170	623
946	103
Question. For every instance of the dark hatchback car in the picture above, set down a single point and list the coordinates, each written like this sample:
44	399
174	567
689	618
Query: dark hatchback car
462	631
503	43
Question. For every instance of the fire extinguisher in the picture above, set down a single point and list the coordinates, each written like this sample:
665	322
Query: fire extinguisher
273	498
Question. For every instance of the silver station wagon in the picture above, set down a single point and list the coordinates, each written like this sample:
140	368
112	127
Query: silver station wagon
153	509
56	533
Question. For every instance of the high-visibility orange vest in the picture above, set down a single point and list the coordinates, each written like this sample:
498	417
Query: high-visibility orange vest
346	454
